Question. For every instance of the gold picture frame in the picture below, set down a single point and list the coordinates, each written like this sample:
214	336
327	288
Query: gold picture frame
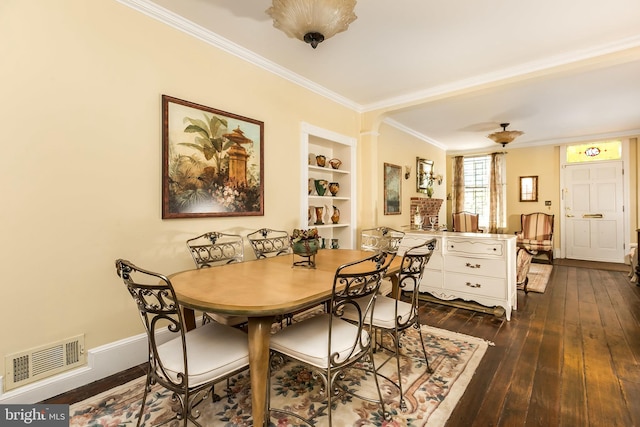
212	162
392	189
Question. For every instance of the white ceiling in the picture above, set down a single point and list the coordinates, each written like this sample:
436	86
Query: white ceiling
450	71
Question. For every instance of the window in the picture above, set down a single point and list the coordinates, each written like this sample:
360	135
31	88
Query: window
604	150
476	187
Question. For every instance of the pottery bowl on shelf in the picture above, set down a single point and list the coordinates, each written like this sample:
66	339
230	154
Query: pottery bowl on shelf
334	187
335	163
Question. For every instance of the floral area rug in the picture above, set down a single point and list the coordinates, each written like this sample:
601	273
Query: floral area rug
430	397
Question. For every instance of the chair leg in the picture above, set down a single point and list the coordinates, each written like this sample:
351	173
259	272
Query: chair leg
385	415
424	348
147	386
396	339
526	282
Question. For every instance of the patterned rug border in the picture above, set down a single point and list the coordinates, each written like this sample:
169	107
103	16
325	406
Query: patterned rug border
437	418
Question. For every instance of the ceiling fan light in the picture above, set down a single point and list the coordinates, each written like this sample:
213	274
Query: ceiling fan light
312	21
505	136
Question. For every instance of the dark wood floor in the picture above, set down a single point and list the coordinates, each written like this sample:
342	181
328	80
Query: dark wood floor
568	357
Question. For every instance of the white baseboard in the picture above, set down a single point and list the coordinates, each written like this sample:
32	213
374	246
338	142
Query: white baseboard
102	361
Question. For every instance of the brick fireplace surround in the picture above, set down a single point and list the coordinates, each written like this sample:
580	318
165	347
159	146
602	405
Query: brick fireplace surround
428	207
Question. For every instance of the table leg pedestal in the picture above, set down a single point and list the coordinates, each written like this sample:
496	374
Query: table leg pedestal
189	317
259	335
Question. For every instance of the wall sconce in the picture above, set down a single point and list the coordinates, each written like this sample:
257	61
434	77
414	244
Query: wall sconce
407	171
435	178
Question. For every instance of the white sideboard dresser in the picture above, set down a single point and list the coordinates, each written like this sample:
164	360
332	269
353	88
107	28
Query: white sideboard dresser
475	267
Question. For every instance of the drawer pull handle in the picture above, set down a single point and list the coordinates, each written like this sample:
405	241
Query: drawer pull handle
472	265
471	285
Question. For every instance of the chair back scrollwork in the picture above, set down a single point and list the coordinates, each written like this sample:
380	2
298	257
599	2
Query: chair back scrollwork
214	248
267	242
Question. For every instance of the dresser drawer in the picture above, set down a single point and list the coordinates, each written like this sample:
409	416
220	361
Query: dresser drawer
492	249
491	267
432	279
411	240
477	285
435	262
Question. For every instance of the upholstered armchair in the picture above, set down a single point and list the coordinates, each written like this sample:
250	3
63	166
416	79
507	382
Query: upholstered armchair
536	234
465	222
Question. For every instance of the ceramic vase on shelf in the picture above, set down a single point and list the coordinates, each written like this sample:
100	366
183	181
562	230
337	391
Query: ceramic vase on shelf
321	186
312	159
319	215
312	185
310	212
321	160
335	217
334	187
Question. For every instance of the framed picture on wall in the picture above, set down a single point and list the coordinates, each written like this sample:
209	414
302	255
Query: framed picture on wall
392	189
212	162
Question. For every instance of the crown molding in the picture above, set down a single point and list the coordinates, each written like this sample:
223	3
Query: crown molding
167	17
524	70
412	132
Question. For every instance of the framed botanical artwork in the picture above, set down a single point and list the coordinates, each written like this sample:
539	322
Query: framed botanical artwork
392	189
212	162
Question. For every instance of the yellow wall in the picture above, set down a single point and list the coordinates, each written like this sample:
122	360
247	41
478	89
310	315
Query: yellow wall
398	148
543	162
81	84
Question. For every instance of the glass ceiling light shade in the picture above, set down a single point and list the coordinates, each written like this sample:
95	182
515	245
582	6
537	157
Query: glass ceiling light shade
505	136
312	21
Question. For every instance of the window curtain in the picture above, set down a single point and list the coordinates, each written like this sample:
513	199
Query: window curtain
458	184
497	197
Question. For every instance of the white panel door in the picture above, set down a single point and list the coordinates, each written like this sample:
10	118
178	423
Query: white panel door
594	212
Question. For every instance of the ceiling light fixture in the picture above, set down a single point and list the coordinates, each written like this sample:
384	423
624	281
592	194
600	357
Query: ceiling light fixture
312	21
504	136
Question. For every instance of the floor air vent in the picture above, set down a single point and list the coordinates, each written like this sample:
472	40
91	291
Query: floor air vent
41	362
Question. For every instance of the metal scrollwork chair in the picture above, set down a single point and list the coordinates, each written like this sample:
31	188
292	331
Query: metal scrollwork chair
327	344
381	239
211	249
191	363
267	242
393	316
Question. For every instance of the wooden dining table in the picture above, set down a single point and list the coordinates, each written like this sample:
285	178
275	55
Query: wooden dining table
261	290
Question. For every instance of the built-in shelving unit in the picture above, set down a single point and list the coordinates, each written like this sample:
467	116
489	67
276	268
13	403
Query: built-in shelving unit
317	141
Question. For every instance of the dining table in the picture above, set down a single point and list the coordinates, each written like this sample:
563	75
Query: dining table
261	290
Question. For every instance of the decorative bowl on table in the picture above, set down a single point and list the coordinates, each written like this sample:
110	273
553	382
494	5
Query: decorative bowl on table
305	244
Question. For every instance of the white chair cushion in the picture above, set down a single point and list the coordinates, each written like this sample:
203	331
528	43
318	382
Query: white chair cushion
308	340
384	314
213	351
